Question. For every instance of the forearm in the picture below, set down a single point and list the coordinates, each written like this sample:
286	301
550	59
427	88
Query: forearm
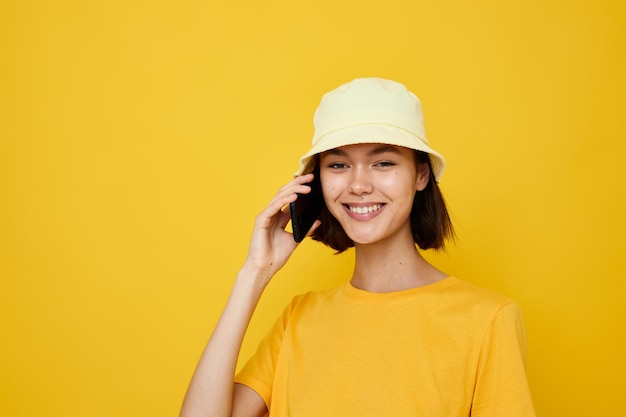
210	392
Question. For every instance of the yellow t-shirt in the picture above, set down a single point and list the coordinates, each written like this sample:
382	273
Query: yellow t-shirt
443	350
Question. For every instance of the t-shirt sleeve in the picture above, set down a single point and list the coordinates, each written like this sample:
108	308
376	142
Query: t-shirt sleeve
501	385
258	372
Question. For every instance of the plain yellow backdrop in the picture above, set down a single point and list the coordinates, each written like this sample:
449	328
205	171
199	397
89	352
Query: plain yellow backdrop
139	139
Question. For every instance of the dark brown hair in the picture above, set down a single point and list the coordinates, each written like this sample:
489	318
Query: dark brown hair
430	221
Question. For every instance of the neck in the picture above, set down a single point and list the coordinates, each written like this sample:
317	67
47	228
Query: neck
388	268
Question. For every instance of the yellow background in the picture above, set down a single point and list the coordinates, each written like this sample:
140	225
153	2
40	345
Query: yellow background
138	140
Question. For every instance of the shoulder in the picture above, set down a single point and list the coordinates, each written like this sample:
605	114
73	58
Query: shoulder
480	302
478	295
312	300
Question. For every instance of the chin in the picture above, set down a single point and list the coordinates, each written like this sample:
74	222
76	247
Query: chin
364	238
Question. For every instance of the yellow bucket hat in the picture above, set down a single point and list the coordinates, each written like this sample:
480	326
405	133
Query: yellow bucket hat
371	110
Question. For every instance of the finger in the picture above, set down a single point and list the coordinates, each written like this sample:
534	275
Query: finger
288	194
284	218
316	224
285	195
302	179
277	205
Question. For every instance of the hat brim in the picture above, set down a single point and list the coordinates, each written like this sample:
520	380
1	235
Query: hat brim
374	133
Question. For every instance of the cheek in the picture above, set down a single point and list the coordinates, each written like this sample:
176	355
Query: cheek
329	194
399	184
394	183
331	190
329	185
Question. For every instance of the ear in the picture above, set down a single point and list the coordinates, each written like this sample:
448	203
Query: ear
423	176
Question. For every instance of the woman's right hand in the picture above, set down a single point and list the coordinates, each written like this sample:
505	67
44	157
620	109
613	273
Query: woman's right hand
211	391
271	246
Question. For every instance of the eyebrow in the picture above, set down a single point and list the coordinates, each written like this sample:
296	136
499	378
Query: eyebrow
376	151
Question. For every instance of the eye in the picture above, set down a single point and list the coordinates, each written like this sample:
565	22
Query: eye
385	164
337	165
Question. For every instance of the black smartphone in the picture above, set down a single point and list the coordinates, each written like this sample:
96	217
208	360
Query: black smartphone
307	208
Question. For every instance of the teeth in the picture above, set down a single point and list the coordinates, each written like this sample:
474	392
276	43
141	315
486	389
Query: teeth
365	210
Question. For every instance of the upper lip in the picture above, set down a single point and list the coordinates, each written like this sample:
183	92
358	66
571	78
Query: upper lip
362	208
362	204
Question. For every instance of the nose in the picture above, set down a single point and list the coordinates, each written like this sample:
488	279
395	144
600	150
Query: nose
360	181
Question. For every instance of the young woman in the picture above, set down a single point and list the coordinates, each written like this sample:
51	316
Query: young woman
400	337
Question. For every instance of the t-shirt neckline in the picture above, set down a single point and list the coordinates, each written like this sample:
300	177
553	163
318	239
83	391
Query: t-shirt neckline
377	297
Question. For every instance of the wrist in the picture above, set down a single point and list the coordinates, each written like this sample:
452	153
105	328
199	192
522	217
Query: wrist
254	278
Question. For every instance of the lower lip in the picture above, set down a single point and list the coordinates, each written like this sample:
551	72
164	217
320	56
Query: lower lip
363	216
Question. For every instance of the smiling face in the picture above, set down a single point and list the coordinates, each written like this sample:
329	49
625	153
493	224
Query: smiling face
369	189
